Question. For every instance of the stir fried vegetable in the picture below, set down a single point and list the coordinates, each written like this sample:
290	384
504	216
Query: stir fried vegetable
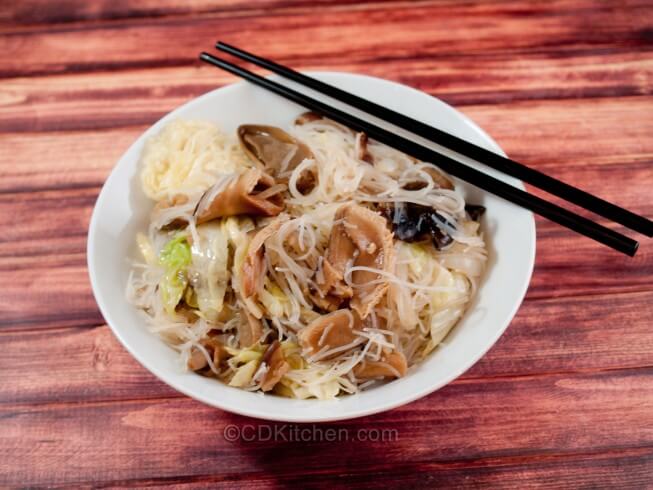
175	257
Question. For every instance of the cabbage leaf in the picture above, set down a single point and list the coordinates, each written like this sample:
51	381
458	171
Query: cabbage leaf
175	258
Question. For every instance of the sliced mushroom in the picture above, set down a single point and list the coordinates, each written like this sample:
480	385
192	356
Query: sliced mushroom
250	329
277	366
329	332
439	179
340	252
254	263
329	302
391	365
252	192
308	117
359	238
270	147
292	243
215	349
363	152
277	152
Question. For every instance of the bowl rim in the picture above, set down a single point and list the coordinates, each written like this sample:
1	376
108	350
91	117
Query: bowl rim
290	417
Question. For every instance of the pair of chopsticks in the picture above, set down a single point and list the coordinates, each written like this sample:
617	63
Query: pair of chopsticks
475	177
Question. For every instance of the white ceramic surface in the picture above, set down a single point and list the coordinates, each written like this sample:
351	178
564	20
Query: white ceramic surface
122	210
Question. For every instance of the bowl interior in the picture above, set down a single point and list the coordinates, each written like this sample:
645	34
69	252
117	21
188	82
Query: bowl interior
122	209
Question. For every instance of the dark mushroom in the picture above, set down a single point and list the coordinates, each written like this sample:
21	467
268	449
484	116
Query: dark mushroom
413	222
474	211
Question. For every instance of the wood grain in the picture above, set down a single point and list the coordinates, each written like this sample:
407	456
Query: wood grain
547	336
590	26
471	420
564	399
42	11
574	471
36	104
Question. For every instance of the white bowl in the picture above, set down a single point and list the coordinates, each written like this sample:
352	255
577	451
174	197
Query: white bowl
122	210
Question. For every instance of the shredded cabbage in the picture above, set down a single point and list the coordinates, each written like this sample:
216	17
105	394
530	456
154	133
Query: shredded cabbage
175	257
209	272
244	374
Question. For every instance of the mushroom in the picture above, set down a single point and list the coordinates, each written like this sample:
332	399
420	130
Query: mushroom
474	211
439	179
277	366
390	365
363	152
292	243
361	238
250	329
329	332
277	152
215	349
252	192
361	138
307	117
413	222
329	302
254	263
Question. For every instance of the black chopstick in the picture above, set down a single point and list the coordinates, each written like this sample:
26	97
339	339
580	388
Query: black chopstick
545	182
544	208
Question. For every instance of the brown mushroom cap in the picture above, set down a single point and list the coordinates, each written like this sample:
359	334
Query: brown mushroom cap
329	332
245	195
388	367
360	237
277	366
215	349
269	147
308	117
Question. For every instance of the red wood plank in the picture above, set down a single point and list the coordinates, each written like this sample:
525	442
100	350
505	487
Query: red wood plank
71	443
380	32
88	101
591	140
622	469
547	336
42	11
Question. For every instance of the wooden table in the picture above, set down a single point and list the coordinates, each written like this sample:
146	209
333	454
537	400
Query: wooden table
565	399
